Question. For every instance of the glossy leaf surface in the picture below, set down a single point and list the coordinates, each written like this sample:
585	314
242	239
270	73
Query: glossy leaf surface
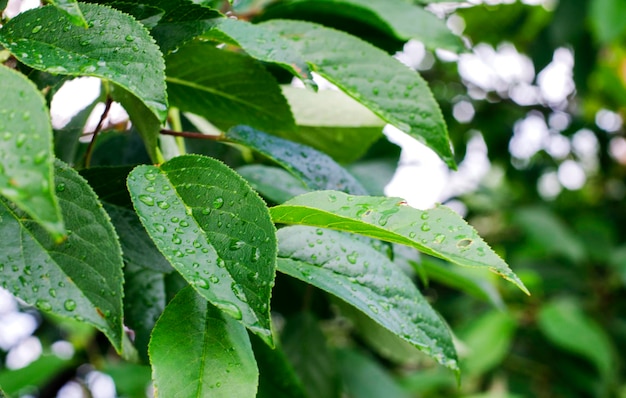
369	281
114	47
215	231
197	351
72	9
80	278
315	169
26	158
439	232
397	94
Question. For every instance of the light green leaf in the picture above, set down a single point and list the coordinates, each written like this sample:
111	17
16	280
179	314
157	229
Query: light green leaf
439	232
368	280
71	8
114	47
226	88
305	346
26	158
345	132
566	325
315	169
80	278
215	231
273	183
36	374
264	45
399	18
397	94
196	351
606	19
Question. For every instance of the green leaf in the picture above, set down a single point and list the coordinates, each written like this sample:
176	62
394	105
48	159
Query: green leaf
363	377
305	346
439	232
397	94
264	45
368	280
114	47
273	183
315	169
606	20
36	374
196	351
109	183
399	18
277	378
208	82
72	10
80	278
26	158
345	132
215	231
566	325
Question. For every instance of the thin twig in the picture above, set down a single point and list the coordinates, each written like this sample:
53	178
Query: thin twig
89	152
188	134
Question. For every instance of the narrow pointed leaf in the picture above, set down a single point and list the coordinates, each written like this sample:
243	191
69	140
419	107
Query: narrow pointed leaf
399	18
215	231
80	278
439	232
368	280
264	45
397	94
26	158
114	47
71	8
196	351
315	169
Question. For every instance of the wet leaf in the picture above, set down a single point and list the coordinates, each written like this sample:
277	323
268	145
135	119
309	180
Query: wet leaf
80	278
367	280
439	232
114	47
26	158
72	9
315	169
196	351
397	94
207	81
215	231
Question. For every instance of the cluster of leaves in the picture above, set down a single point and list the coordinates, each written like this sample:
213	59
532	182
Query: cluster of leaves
172	254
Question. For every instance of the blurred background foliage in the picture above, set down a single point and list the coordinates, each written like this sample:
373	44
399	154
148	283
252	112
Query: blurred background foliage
535	109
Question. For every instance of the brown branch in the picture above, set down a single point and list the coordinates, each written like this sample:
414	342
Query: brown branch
89	152
187	134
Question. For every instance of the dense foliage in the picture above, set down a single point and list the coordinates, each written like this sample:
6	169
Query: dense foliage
232	237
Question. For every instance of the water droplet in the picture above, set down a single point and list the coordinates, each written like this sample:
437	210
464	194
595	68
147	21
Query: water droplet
373	308
236	244
69	305
176	240
229	308
439	238
375	91
60	187
256	255
412	234
84	43
319	231
238	291
43	305
201	283
218	202
424	216
20	140
464	244
163	204
150	176
159	227
129	38
53	293
352	257
146	199
214	279
425	227
221	263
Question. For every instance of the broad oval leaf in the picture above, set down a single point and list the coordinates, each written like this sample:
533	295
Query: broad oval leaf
226	88
272	183
439	232
72	9
215	231
400	18
368	280
26	158
196	351
315	169
397	94
114	47
80	278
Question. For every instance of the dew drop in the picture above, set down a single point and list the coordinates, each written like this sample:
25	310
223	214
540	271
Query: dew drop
52	292
159	227
236	244
439	238
201	283
425	227
43	305
464	243
352	257
69	305
214	279
150	176
20	140
412	234
229	308
238	291
129	38
147	199
218	203
163	204
60	187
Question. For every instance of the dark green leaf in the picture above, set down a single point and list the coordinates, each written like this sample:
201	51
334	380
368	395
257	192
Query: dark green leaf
196	351
114	47
394	92
80	278
26	169
439	231
315	169
368	280
109	183
210	82
346	130
215	231
305	346
131	380
273	183
72	9
264	45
